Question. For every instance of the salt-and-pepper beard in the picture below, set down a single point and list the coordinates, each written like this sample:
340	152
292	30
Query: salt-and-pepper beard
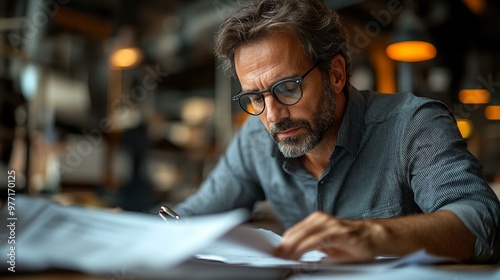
323	117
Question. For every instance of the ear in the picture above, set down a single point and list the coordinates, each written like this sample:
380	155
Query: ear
338	73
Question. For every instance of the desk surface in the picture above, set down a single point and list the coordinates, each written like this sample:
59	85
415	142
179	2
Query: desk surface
206	270
192	269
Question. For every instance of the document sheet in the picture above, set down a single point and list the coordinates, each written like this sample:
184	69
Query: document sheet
49	235
245	245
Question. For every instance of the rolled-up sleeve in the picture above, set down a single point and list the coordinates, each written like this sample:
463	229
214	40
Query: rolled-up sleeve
444	175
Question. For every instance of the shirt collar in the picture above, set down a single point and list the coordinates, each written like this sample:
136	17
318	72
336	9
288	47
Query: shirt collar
351	127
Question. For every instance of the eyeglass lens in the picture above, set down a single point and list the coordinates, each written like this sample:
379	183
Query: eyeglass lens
286	92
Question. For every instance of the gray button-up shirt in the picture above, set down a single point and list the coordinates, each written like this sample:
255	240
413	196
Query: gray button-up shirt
395	155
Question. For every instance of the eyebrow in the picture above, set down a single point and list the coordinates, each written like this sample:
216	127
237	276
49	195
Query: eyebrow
272	84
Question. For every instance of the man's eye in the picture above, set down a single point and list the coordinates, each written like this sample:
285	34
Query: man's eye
289	88
256	99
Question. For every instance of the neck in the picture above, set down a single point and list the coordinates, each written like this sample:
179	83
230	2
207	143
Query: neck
316	160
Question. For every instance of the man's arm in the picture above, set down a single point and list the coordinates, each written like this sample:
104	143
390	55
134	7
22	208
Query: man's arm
444	175
441	233
462	212
232	183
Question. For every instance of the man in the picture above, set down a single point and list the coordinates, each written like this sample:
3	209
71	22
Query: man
354	174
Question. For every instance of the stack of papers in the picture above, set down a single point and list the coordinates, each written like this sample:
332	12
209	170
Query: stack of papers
48	235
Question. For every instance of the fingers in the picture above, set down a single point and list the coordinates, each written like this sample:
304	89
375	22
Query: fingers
305	235
345	241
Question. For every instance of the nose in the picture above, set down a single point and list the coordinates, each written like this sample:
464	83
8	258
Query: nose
274	111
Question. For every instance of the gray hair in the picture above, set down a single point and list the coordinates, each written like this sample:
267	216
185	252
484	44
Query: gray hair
317	27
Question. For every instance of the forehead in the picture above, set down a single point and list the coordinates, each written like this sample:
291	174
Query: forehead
273	57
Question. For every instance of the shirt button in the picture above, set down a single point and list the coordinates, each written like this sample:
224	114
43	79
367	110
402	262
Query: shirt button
321	182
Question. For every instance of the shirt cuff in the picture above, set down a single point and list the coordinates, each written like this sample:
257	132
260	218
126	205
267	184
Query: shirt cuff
477	219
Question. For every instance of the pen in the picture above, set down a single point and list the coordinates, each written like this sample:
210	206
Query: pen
166	210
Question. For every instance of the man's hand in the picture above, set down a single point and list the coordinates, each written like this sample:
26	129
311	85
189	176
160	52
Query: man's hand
345	241
440	233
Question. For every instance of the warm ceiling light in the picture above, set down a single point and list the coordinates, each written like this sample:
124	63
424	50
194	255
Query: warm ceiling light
125	58
492	112
474	96
465	127
411	51
410	42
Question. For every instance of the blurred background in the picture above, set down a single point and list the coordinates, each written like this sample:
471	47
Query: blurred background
121	103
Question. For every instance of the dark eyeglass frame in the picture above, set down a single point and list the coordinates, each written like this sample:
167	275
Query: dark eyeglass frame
298	80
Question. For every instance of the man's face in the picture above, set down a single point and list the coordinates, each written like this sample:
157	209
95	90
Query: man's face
298	128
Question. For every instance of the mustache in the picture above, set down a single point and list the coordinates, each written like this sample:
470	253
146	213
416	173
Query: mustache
287	124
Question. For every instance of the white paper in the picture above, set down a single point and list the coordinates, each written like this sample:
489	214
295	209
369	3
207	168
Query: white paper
49	235
249	246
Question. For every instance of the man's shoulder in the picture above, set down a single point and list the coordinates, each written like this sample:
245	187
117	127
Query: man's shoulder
384	107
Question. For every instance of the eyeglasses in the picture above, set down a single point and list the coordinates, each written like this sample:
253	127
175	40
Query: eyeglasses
287	92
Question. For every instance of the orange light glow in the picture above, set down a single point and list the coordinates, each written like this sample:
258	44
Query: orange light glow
411	51
125	58
476	6
492	112
385	71
250	109
465	127
474	96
